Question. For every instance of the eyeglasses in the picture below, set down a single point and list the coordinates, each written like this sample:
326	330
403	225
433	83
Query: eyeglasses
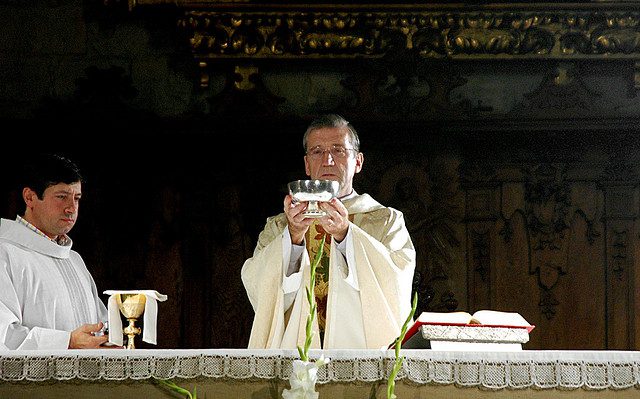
336	151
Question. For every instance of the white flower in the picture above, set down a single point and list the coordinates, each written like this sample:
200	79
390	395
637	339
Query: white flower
303	379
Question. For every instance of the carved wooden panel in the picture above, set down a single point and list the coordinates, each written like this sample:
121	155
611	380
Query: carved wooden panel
561	251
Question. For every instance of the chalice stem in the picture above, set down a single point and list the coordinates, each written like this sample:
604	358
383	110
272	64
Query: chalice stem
313	207
131	330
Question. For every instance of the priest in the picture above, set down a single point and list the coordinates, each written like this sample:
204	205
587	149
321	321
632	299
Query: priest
364	278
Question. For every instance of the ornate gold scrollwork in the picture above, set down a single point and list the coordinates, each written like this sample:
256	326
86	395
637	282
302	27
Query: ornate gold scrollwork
557	34
243	79
528	31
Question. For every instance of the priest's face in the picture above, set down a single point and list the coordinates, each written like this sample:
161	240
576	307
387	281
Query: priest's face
331	156
57	211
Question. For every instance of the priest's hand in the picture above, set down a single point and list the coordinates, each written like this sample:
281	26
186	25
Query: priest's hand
336	220
83	337
298	223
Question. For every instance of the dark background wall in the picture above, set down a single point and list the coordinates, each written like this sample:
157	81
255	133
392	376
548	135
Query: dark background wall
518	178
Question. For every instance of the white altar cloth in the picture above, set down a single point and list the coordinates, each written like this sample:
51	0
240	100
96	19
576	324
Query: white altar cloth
589	370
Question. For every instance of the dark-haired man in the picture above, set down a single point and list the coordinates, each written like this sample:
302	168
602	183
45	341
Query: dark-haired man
48	299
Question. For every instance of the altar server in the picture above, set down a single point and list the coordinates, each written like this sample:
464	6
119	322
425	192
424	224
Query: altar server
48	299
363	283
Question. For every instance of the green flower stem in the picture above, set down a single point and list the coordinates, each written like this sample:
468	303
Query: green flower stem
391	384
176	388
304	353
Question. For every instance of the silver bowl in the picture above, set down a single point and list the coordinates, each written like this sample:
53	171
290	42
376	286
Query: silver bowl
313	191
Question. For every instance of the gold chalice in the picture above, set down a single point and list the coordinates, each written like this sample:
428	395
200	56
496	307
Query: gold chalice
132	307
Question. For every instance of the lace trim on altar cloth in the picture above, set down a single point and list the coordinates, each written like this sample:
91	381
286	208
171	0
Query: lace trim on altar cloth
592	370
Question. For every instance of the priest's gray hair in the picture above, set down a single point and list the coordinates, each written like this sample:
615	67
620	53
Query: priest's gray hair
332	120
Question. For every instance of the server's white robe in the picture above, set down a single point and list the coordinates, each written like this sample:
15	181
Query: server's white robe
46	290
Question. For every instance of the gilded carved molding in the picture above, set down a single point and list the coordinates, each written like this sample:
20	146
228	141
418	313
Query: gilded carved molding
253	30
511	31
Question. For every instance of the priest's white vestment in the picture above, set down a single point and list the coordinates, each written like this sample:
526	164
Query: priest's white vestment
369	290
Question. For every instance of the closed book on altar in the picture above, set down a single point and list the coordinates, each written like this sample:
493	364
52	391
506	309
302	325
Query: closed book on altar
485	330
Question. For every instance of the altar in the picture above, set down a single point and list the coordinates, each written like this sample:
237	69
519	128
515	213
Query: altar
242	373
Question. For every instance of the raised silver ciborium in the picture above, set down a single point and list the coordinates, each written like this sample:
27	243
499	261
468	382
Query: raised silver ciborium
313	191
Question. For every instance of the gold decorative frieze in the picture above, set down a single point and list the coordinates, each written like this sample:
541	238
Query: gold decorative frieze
244	31
512	32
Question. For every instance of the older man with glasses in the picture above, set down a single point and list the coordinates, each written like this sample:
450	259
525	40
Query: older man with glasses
363	281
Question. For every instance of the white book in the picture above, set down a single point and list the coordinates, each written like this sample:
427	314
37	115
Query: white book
481	317
484	330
